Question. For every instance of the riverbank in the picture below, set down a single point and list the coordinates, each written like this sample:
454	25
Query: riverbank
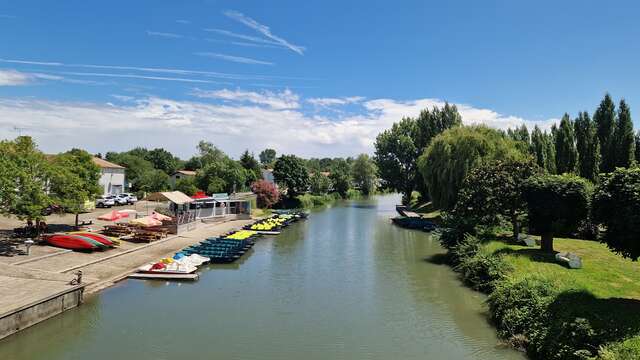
28	281
551	311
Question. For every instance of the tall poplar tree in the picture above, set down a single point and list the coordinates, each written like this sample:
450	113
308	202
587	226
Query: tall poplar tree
566	153
624	140
588	147
537	147
638	147
605	119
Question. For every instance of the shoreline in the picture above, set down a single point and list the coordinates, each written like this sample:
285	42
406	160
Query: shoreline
31	282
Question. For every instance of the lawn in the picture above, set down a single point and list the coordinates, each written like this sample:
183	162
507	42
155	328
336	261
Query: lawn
604	274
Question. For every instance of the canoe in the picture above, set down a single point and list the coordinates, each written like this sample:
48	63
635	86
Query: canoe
72	242
97	237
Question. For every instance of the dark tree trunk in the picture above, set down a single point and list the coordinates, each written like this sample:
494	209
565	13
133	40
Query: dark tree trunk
546	242
77	219
516	227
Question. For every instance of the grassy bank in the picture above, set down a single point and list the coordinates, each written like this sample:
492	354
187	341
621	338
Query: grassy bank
551	311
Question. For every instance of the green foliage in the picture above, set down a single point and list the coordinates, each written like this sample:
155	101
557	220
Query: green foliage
340	177
555	202
543	149
396	155
455	152
617	206
137	169
605	119
153	181
625	350
364	173
290	172
252	167
267	156
353	194
565	144
163	160
588	147
493	191
308	201
637	147
74	180
481	271
623	137
519	308
398	149
221	175
187	186
24	181
465	249
319	184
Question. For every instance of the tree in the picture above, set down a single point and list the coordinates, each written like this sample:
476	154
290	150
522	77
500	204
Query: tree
455	152
209	153
319	183
566	153
74	181
266	192
543	150
616	205
605	119
637	156
340	177
163	160
24	181
495	190
555	201
364	173
136	168
152	181
187	186
588	147
290	171
252	167
224	175
267	156
396	156
624	140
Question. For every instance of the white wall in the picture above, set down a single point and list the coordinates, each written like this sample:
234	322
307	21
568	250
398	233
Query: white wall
112	181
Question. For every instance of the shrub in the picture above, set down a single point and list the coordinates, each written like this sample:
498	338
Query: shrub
555	201
517	308
465	249
353	194
616	204
625	350
266	192
310	201
482	271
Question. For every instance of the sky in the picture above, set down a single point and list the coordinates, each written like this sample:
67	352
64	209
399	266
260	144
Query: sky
314	78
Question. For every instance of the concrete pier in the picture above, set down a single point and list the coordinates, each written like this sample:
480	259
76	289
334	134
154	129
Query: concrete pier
36	287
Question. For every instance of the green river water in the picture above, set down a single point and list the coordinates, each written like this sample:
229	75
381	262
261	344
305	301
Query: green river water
345	284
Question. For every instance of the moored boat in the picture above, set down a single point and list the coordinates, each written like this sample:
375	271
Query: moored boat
72	242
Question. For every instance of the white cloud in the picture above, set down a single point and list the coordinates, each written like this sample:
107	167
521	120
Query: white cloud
264	30
279	101
242	120
164	34
335	101
155	70
237	59
182	21
254	39
14	78
133	76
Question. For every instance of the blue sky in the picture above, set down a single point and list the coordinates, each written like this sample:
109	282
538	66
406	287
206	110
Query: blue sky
314	78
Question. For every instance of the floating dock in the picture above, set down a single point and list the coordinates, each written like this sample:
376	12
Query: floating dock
144	276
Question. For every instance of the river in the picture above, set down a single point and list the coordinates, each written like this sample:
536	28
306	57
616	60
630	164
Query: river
345	284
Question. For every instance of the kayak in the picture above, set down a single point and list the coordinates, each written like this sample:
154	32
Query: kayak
97	237
72	242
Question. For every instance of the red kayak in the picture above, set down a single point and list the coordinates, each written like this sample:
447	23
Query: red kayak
72	242
97	237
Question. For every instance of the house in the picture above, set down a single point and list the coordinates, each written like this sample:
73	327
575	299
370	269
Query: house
267	174
181	174
112	178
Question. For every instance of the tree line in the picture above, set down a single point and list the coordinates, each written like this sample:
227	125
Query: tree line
575	179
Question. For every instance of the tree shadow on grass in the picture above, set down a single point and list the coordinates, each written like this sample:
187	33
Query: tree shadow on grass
536	255
585	322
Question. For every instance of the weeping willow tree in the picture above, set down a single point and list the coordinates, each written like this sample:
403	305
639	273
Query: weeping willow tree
452	154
